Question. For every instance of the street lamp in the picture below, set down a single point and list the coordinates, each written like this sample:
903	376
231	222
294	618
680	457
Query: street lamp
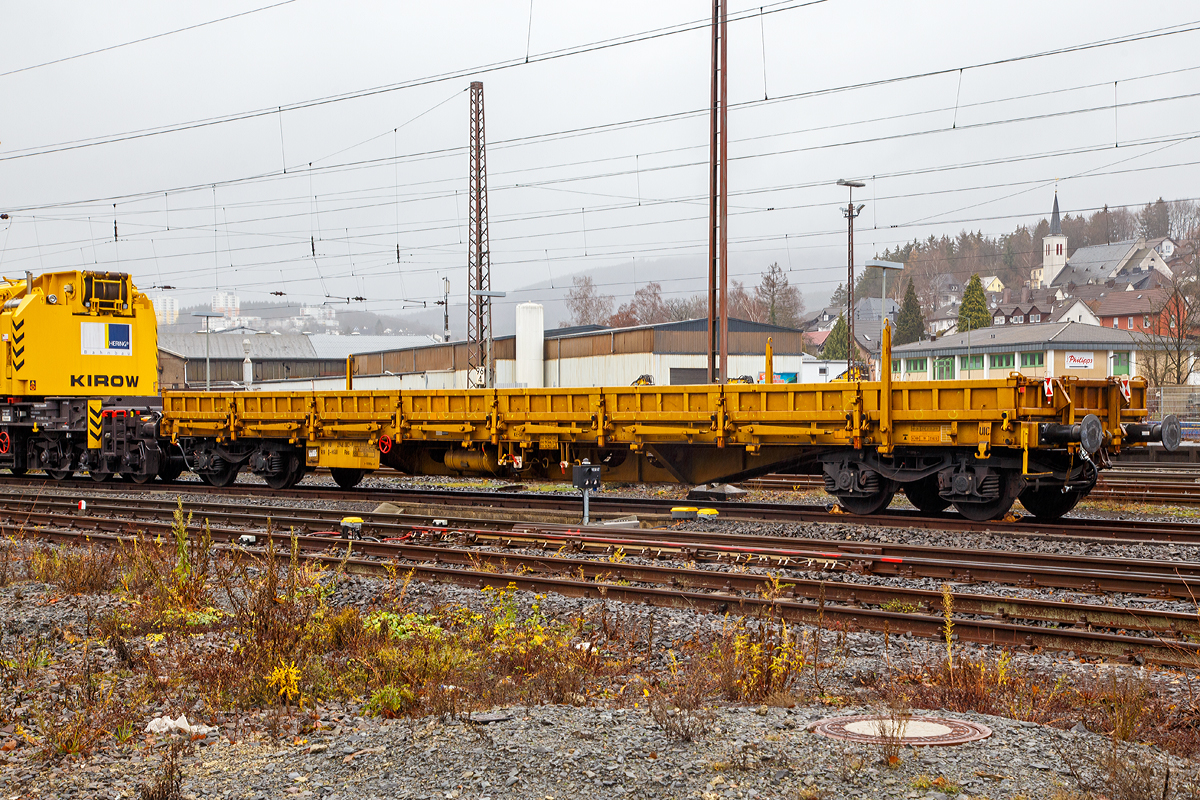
489	370
850	212
883	267
207	315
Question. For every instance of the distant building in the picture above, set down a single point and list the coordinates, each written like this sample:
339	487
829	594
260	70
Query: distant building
1054	253
1036	351
166	309
226	303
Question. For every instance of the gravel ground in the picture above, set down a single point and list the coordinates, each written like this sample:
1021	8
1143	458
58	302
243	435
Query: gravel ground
563	751
558	751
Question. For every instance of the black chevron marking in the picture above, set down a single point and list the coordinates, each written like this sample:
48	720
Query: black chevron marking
18	325
20	336
96	416
20	364
18	352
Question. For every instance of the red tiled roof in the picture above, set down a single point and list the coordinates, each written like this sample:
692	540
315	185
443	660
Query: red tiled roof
1120	303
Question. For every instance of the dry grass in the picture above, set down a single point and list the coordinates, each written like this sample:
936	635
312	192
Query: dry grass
168	783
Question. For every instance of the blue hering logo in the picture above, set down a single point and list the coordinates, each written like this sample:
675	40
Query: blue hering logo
110	381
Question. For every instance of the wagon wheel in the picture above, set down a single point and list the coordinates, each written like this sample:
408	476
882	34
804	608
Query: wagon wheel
992	509
170	470
100	477
226	475
297	475
347	478
285	477
60	474
138	477
1051	502
867	504
924	495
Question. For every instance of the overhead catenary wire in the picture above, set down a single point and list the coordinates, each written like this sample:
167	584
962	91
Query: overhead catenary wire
458	74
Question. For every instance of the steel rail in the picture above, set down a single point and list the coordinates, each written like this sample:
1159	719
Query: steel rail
1178	579
1138	530
826	608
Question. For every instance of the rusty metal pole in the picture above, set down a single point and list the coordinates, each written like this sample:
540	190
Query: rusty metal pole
479	272
718	193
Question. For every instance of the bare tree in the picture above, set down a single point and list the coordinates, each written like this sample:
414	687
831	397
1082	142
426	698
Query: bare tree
1168	355
646	308
681	308
743	304
1184	216
588	306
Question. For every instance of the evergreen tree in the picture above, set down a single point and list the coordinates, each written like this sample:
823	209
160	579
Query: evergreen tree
837	344
910	326
838	298
973	314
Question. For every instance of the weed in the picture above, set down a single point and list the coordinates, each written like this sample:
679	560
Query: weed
75	570
168	783
753	661
391	701
680	710
285	681
1120	771
812	793
26	658
941	783
891	729
900	606
948	628
773	589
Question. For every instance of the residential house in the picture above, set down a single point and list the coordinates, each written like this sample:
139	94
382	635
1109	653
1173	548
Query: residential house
949	289
1134	311
944	319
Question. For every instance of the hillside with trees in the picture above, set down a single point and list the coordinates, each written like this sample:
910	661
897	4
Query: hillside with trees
1011	256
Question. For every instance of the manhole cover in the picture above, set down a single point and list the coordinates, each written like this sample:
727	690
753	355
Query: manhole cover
916	732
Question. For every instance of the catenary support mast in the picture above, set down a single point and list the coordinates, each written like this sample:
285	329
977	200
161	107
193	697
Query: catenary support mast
479	278
718	192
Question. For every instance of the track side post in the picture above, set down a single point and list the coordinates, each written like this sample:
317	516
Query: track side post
885	388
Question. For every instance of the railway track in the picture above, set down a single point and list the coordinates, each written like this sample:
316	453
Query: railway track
567	506
457	555
1179	486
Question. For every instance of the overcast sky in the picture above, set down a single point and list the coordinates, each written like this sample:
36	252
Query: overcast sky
597	159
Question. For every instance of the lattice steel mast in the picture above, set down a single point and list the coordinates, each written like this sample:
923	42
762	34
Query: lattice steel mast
718	196
480	369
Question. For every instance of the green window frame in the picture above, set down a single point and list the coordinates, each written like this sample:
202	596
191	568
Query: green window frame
1037	359
916	365
970	362
943	368
1001	361
895	365
1121	363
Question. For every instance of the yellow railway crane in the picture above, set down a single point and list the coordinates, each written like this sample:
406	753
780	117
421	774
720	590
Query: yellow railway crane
79	389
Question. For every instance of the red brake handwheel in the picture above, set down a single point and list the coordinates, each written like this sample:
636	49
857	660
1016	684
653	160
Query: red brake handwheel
385	444
5	442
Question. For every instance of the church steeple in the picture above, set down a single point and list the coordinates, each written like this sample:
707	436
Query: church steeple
1054	253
